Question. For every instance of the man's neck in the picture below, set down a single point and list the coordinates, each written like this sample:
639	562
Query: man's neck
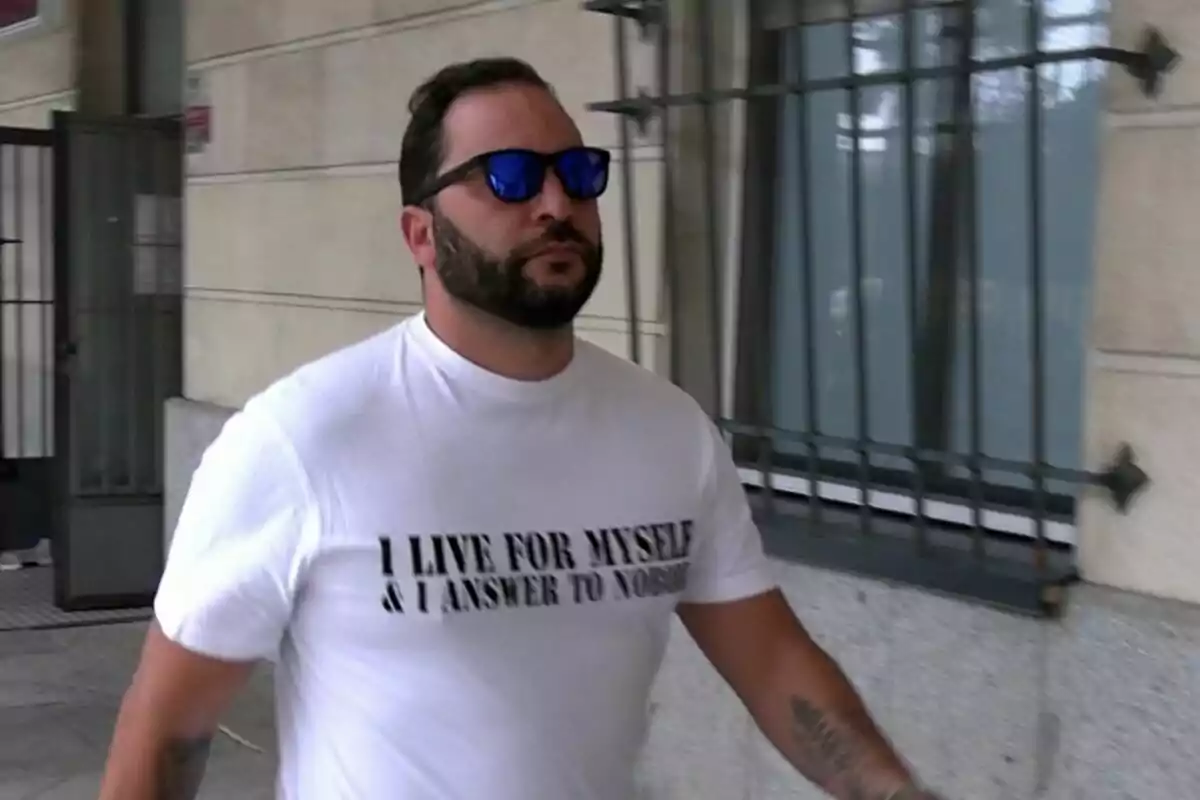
501	347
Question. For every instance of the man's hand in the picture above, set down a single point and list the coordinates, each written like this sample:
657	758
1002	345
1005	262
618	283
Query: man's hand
800	698
915	794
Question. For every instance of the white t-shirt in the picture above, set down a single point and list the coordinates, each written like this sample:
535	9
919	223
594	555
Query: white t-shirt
467	581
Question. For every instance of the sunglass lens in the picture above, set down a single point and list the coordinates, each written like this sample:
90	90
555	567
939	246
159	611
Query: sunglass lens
514	176
583	172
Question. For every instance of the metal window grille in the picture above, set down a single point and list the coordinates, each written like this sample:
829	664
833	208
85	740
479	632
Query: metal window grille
925	444
26	297
19	14
27	397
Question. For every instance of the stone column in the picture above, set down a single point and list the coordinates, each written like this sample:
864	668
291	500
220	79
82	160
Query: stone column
101	73
1144	360
701	225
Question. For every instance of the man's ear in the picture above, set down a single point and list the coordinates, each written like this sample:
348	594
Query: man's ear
416	224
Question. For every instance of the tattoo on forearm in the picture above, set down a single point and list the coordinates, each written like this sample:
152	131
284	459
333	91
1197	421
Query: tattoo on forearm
182	768
838	753
913	794
822	751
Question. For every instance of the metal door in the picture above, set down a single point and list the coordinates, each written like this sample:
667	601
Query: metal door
118	328
26	338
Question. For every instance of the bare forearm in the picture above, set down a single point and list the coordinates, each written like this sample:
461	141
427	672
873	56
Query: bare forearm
150	762
813	715
799	697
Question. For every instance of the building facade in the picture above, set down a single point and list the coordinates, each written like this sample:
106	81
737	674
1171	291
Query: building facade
732	268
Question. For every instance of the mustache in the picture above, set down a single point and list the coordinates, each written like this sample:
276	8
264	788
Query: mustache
558	232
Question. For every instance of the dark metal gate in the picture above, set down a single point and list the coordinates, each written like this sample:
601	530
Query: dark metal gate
26	338
898	424
117	214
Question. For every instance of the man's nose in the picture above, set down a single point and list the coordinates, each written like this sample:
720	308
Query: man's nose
553	202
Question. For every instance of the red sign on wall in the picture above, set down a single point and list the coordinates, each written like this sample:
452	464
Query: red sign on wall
14	12
197	124
197	113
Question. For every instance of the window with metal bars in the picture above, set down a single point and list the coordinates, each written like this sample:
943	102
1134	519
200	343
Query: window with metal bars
910	216
913	291
14	13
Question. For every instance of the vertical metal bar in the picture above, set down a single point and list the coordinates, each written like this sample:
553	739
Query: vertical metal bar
130	149
913	283
808	285
4	247
704	21
760	249
670	259
66	461
863	434
94	315
156	329
135	55
94	298
1037	378
940	323
174	178
46	280
965	129
70	240
628	217
63	461
20	359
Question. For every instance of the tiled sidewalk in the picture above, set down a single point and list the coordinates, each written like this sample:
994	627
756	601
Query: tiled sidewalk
26	603
59	692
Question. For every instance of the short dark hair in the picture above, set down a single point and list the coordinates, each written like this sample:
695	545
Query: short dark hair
422	149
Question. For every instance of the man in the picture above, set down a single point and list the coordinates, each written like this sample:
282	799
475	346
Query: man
463	540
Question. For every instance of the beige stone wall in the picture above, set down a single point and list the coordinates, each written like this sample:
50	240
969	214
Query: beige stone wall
293	248
1144	372
37	70
293	242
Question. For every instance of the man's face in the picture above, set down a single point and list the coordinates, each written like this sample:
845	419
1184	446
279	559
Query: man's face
508	287
533	264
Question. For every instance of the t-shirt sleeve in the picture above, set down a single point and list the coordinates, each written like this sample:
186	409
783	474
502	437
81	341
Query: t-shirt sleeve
245	535
729	562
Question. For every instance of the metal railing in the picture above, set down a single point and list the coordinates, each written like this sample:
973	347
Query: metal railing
966	492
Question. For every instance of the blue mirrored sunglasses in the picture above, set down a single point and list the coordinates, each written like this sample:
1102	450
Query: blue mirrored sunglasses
517	176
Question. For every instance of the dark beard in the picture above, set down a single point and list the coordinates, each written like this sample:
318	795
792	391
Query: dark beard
499	287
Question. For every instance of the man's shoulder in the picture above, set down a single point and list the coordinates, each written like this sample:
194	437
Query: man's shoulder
322	395
638	385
